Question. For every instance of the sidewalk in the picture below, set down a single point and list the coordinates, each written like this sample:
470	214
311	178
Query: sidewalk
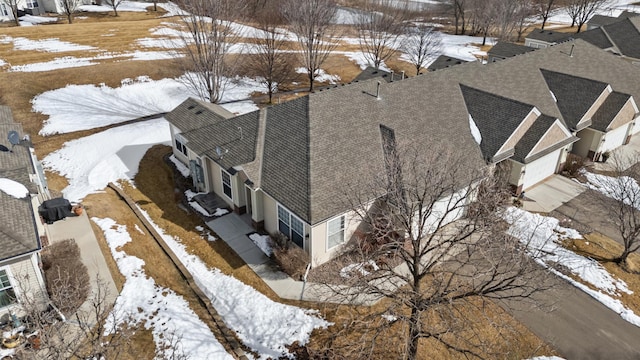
79	229
234	231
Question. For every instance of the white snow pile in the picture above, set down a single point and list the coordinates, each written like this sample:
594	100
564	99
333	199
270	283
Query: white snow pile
160	309
361	269
52	45
182	168
91	162
13	188
265	326
30	20
542	234
614	187
321	75
103	105
475	132
190	194
205	234
361	60
2	63
263	242
55	64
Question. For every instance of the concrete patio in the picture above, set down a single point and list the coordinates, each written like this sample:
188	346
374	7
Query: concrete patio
551	194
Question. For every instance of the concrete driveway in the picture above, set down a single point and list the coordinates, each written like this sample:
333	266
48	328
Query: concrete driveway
551	194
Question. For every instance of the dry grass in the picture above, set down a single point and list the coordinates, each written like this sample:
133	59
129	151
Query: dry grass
598	246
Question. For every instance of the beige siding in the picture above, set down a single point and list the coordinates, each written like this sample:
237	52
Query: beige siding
257	201
270	211
26	280
515	177
550	138
320	253
587	138
519	132
625	116
215	181
596	105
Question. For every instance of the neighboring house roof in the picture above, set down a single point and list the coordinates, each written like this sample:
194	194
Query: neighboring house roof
495	116
370	73
548	36
626	37
506	50
601	20
194	114
608	110
444	61
627	14
574	95
595	37
18	233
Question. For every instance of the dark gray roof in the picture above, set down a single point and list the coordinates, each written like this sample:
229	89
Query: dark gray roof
506	49
608	110
495	116
529	140
444	61
234	137
194	114
625	36
574	95
370	73
601	20
549	36
18	233
596	37
628	14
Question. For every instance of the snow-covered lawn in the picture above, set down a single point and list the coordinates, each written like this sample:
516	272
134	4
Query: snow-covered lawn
102	105
618	188
168	315
542	236
611	8
265	326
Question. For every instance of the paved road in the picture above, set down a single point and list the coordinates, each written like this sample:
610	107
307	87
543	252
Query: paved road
578	326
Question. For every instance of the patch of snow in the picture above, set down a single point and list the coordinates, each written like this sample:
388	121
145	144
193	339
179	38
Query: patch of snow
359	58
321	75
182	168
263	242
90	163
29	20
52	45
265	326
220	212
13	188
475	132
138	229
359	268
165	43
55	64
614	187
389	318
159	309
2	63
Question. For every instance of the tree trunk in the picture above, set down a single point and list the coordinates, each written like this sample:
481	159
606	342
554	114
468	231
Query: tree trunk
70	18
311	77
414	335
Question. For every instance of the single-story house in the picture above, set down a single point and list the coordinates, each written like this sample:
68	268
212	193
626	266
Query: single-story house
21	182
503	50
539	38
288	165
29	6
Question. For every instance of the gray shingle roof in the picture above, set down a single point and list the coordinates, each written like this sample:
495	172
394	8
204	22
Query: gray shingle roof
370	73
627	14
625	36
495	116
531	138
601	20
608	110
596	37
18	233
444	61
194	114
549	36
506	50
574	95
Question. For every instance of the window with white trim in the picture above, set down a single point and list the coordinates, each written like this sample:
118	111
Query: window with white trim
290	226
32	4
181	144
3	9
226	183
335	232
7	295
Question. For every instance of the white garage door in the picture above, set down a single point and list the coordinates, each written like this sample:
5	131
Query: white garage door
540	169
614	138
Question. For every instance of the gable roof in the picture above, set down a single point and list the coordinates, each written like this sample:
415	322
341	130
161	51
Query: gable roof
506	49
194	114
601	20
495	116
574	95
608	110
370	73
531	138
18	233
625	36
549	36
444	61
596	36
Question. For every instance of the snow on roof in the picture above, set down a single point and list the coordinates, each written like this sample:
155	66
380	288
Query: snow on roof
13	188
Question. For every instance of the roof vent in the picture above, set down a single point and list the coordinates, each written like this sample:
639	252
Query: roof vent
191	107
378	90
198	112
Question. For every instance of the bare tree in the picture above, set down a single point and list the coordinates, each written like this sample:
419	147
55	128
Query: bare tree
433	244
380	26
68	8
525	11
586	9
511	16
311	20
13	5
543	8
422	44
620	194
459	8
114	5
209	36
484	16
269	62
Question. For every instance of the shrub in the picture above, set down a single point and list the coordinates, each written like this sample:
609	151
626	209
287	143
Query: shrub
66	277
573	165
291	258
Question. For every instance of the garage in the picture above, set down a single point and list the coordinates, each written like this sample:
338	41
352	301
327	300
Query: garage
615	138
540	169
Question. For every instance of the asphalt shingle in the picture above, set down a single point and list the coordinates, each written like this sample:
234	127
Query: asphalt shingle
608	110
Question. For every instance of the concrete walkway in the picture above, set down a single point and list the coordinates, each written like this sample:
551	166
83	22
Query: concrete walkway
551	194
79	229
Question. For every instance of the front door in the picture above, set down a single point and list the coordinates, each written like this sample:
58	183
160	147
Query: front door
248	193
